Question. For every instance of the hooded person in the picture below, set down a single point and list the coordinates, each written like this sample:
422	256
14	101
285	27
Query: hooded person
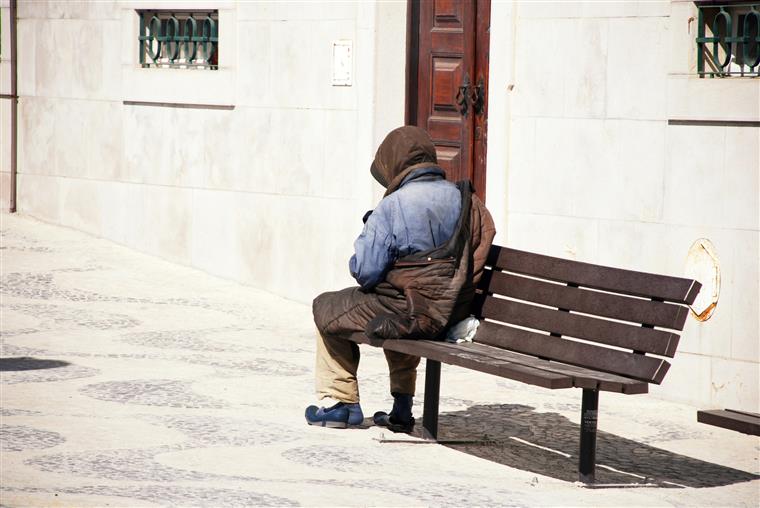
417	262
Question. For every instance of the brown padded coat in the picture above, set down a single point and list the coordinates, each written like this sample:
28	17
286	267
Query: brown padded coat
423	293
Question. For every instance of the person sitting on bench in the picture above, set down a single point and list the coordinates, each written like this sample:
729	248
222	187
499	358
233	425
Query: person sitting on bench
417	260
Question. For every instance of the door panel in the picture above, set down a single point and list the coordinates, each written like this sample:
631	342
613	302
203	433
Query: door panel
446	53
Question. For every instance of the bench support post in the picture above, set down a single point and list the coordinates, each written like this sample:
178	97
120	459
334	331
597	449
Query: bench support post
589	411
432	391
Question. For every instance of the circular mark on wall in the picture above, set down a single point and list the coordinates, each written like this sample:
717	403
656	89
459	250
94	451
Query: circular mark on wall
702	264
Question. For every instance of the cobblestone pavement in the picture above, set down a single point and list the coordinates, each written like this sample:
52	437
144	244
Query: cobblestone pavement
130	381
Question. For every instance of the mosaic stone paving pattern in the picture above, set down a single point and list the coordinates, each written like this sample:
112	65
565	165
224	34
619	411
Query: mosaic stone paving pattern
129	381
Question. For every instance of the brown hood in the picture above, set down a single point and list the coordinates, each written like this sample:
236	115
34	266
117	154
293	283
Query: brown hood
402	151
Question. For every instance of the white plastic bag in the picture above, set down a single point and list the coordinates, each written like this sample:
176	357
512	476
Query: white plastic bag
464	331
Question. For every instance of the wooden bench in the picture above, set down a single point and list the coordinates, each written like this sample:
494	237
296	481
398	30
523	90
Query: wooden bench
534	308
731	419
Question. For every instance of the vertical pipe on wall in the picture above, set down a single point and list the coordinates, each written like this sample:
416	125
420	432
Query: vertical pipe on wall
14	109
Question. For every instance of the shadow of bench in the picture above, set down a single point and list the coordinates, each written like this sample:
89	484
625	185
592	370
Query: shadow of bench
546	443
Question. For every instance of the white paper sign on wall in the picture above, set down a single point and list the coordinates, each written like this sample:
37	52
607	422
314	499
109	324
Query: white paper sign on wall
343	63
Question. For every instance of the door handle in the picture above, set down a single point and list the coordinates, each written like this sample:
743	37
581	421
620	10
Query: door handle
477	97
463	95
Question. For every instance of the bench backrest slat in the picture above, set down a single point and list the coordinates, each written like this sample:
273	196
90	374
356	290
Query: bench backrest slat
614	361
587	301
597	317
673	289
578	326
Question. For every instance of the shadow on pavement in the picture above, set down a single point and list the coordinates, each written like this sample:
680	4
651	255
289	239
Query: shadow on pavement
28	363
502	426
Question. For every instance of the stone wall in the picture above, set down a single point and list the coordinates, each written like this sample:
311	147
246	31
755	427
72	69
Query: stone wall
582	160
269	193
592	169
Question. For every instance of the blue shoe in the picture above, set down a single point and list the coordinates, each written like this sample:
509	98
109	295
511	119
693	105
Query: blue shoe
400	418
338	416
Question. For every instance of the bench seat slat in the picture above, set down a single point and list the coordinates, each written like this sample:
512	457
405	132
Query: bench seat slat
440	352
583	300
582	377
613	361
732	420
583	327
648	285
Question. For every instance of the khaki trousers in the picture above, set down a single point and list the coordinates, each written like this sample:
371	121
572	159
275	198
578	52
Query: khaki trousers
338	361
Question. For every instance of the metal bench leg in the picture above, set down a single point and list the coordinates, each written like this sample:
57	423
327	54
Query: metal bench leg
589	410
432	391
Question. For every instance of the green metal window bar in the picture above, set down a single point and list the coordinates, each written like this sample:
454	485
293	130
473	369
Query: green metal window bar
174	39
732	46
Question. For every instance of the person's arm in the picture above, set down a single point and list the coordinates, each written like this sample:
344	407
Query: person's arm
373	251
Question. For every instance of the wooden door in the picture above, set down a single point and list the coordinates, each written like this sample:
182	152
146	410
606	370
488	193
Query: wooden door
447	78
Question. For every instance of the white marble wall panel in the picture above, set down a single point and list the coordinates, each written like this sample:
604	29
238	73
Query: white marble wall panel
713	99
189	134
639	166
340	170
500	76
299	10
217	217
238	155
734	384
688	380
637	61
549	184
67	61
589	168
302	51
69	9
521	185
145	157
742	177
163	222
82	204
118	219
37	127
5	44
540	63
52	76
5	190
39	196
26	52
745	317
70	139
585	80
111	83
662	248
274	242
645	8
5	135
255	84
609	9
390	88
168	146
103	139
564	237
712	176
549	10
178	85
297	150
683	31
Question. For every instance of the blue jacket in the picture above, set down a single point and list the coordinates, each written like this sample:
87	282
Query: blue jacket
420	215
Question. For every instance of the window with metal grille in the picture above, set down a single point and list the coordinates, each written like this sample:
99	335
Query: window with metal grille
179	39
728	39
